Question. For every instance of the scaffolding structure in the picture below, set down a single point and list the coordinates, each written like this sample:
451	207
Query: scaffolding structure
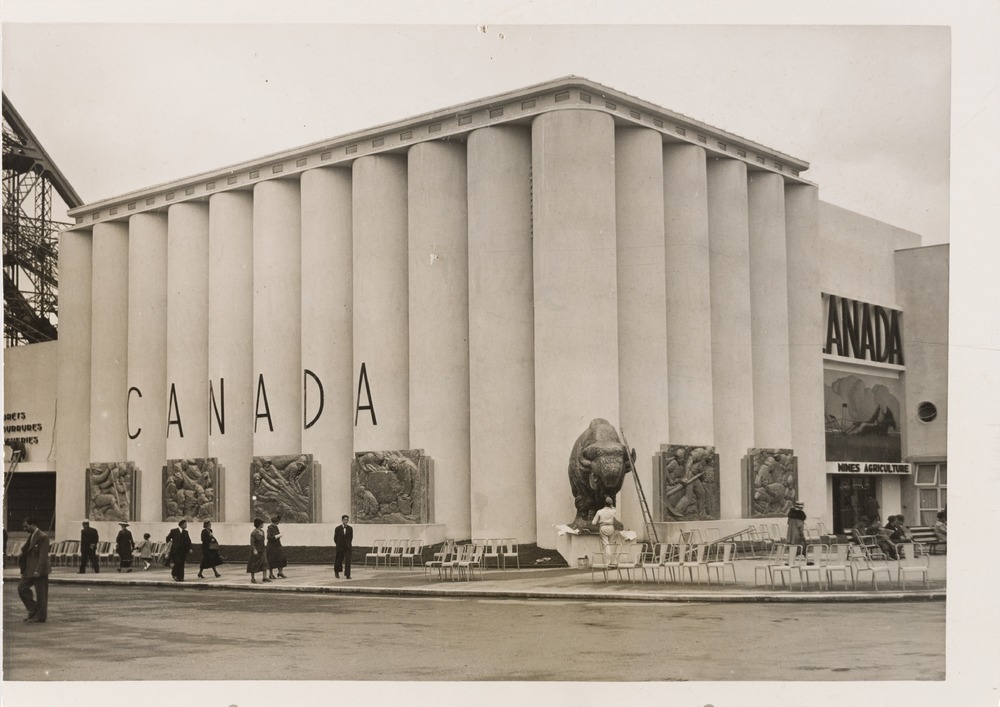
30	236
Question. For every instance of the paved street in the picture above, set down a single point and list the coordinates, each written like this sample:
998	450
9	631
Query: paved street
176	633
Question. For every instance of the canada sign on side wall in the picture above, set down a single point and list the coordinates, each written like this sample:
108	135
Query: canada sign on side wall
863	331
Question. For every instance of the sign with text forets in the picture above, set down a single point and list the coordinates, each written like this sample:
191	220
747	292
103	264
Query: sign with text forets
867	468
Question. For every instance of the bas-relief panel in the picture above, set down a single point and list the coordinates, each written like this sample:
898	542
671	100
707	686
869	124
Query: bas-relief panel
391	487
111	490
191	489
284	485
687	483
771	482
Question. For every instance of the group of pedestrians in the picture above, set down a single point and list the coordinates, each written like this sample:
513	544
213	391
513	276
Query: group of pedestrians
179	546
125	547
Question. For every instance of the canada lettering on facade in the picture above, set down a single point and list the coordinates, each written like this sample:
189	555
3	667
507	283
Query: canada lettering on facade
262	410
863	330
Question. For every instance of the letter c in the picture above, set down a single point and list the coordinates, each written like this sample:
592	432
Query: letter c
128	408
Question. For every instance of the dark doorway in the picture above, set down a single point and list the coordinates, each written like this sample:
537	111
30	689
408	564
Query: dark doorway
30	494
854	498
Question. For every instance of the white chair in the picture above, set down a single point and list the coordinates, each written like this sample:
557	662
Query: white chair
792	565
412	553
379	550
694	563
862	562
837	562
720	564
604	561
816	555
492	550
630	559
777	557
671	558
908	563
509	550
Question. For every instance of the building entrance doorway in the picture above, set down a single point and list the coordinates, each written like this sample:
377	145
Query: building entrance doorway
854	497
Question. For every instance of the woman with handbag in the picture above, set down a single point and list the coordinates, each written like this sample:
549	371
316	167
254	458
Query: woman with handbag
209	551
258	555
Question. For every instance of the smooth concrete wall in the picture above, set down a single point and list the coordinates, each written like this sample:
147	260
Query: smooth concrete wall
230	347
439	323
187	329
277	317
501	335
688	290
805	334
381	306
642	307
732	360
147	357
772	415
109	343
576	305
327	322
73	373
925	346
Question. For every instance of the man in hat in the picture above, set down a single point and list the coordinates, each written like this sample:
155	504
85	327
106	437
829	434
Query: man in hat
180	547
35	567
88	548
125	546
797	526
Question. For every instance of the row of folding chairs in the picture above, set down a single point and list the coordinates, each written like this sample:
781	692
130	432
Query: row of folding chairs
673	562
396	551
827	562
456	561
500	550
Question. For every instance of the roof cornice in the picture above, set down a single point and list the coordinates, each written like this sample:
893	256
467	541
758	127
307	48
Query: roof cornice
454	122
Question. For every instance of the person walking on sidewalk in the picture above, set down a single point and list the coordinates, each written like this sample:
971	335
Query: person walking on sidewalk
124	546
275	553
209	551
797	526
89	538
180	548
343	538
35	567
258	554
145	551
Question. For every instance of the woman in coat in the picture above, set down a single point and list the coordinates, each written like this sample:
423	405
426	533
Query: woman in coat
275	553
209	551
258	555
124	546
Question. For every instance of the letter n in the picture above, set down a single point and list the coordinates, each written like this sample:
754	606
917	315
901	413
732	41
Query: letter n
262	393
218	409
174	412
363	378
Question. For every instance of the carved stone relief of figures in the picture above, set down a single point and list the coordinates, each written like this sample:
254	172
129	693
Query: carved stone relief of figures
191	489
771	482
686	484
111	490
391	487
284	485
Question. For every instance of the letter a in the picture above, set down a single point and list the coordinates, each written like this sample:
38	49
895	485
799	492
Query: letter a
363	378
262	393
172	408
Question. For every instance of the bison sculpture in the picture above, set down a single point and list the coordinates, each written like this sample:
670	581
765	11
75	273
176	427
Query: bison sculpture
597	467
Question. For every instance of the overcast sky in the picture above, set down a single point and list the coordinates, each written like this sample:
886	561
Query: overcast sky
120	107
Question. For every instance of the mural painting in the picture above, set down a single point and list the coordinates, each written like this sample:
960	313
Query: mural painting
112	488
861	413
284	485
391	487
191	489
686	483
771	482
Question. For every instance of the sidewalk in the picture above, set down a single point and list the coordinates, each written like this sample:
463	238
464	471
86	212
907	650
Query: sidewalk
526	583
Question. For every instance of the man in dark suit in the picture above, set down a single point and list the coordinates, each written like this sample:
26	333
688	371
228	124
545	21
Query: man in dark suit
88	548
35	568
180	547
343	538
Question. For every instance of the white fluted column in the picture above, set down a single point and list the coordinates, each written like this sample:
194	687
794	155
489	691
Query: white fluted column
230	347
109	343
501	335
806	335
769	311
187	330
732	365
327	321
277	317
72	426
576	306
381	304
439	323
147	357
642	303
689	326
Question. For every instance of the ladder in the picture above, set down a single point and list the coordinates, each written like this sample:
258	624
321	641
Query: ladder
647	517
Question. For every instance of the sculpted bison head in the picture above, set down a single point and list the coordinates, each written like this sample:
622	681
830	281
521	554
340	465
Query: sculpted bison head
597	467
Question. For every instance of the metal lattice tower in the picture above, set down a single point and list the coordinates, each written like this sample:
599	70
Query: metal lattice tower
30	236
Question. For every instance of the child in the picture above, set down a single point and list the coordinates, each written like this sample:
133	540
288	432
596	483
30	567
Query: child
145	550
